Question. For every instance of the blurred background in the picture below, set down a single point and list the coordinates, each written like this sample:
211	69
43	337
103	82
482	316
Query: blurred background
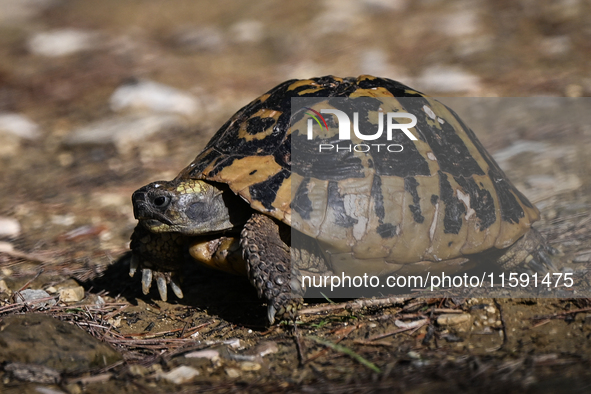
98	98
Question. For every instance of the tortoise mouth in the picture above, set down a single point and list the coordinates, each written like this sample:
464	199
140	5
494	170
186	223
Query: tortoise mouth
144	212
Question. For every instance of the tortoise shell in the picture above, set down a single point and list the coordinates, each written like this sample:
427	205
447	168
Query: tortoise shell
441	198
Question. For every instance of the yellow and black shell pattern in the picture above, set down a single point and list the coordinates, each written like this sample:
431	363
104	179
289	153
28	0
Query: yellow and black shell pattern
442	198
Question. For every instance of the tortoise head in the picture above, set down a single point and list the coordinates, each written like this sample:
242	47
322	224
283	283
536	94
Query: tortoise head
190	207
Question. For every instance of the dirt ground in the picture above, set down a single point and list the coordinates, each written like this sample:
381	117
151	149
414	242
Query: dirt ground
66	214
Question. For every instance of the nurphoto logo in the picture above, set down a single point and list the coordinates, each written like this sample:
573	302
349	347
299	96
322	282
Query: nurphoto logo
344	124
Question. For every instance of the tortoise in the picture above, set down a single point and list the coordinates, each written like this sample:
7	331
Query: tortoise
440	204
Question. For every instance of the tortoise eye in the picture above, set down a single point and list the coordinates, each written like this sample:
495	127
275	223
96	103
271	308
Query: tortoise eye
160	201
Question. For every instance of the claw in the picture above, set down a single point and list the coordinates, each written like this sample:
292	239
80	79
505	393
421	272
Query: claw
134	264
536	266
175	286
146	280
547	261
161	282
271	314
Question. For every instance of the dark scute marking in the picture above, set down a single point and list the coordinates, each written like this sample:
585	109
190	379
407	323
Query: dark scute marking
454	209
220	165
301	203
386	230
203	162
326	165
378	198
396	88
452	154
510	209
252	172
434	199
410	185
449	243
481	202
257	124
337	204
266	191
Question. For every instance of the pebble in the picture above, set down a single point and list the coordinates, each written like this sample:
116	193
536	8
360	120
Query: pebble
30	295
202	39
6	247
556	46
124	132
210	354
74	294
19	125
451	319
154	97
250	366
247	31
233	373
584	258
180	375
61	42
4	287
9	227
460	23
448	79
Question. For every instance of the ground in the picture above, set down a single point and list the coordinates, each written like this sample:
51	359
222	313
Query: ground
66	215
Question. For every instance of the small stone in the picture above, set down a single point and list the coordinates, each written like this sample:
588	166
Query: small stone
233	373
490	309
124	132
61	42
30	295
460	23
451	319
153	96
138	370
250	366
4	287
210	354
262	349
448	79
584	258
203	39
180	375
9	227
247	31
556	46
74	294
6	247
19	125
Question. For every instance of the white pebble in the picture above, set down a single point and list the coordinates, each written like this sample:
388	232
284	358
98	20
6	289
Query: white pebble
156	97
180	375
18	125
9	227
123	131
61	42
247	31
29	296
448	79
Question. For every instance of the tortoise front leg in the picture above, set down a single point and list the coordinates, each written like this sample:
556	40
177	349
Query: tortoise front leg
269	267
160	257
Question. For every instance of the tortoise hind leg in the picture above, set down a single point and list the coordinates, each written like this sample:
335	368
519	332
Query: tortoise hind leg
529	252
269	267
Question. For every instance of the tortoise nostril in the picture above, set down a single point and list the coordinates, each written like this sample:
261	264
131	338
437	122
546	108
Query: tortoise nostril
160	201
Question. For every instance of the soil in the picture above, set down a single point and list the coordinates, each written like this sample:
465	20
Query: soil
72	201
